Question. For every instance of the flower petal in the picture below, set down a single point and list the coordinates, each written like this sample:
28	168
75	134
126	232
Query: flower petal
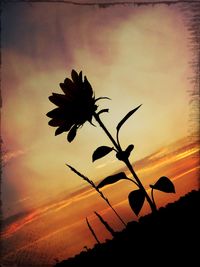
54	113
69	83
75	77
88	88
68	87
63	87
75	107
62	128
56	122
59	130
80	76
58	99
72	133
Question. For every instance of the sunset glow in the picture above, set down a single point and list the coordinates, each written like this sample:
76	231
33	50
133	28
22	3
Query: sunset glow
133	56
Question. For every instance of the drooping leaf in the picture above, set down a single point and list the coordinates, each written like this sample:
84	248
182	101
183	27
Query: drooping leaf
136	200
103	111
129	149
164	184
101	152
112	179
103	97
72	134
130	113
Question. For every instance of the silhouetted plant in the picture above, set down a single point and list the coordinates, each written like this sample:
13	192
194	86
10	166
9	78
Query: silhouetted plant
92	231
107	226
77	106
98	191
163	184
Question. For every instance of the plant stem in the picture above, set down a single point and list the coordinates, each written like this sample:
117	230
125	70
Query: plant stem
97	189
140	185
152	196
115	212
107	226
92	231
127	162
107	132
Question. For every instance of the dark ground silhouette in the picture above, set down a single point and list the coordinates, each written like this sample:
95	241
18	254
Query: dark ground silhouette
168	238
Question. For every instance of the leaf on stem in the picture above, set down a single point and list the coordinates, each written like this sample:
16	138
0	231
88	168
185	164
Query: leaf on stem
103	97
129	149
130	113
101	152
136	200
112	179
164	184
103	111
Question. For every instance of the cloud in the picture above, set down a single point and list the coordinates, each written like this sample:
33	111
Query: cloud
10	155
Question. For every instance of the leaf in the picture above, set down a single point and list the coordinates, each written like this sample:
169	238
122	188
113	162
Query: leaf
126	117
129	149
164	184
136	200
103	111
112	179
72	134
103	97
101	152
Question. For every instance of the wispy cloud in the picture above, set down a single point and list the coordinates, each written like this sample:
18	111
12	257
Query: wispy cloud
10	155
101	166
31	216
105	164
87	192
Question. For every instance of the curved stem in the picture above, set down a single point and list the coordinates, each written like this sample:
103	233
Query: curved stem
97	189
117	137
140	185
92	231
107	132
116	213
127	162
152	196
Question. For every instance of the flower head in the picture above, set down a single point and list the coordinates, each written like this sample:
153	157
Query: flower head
74	107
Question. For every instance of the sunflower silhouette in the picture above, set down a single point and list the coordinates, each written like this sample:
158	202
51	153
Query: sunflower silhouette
74	107
78	105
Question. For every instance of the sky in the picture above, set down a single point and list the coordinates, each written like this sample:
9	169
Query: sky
132	55
58	230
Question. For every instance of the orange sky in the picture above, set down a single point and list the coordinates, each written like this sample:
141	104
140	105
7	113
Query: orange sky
132	55
58	228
